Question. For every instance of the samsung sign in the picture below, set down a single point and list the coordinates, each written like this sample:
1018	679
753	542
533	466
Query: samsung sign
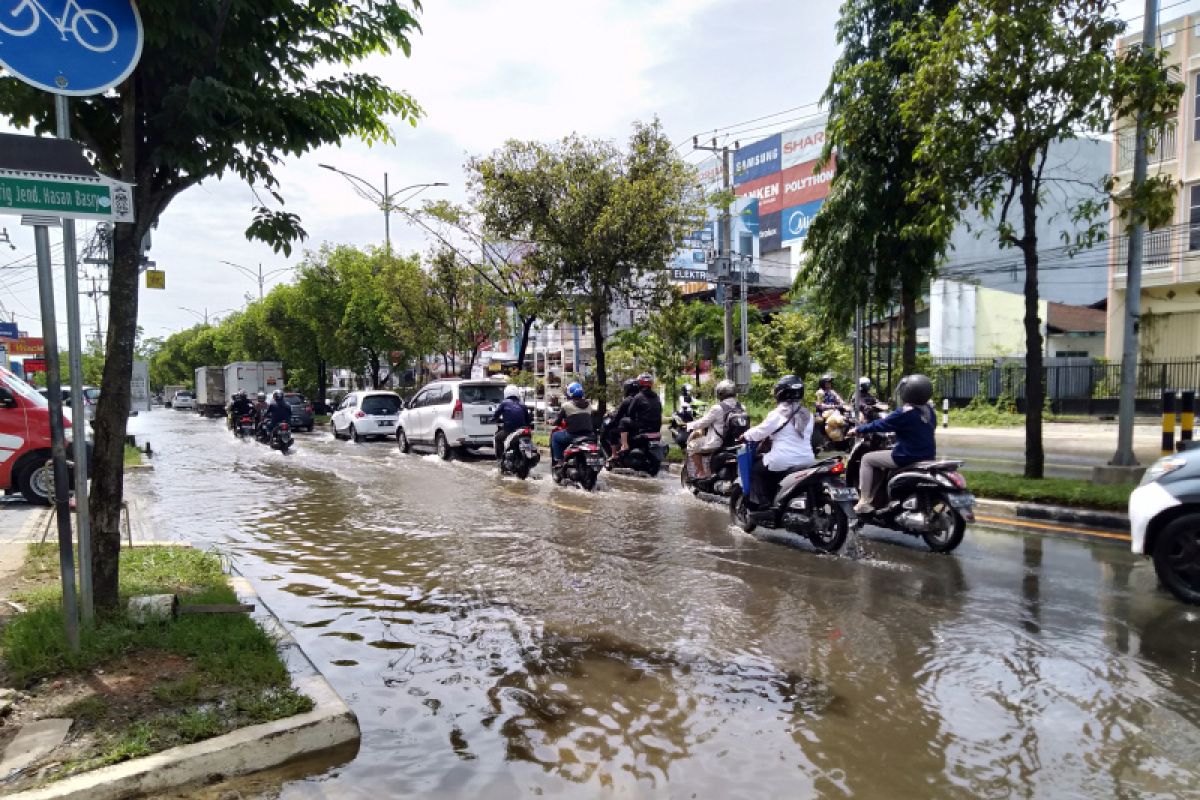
796	220
757	160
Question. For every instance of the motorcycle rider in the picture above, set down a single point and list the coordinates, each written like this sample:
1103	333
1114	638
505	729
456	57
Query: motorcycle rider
576	415
914	423
260	407
278	411
645	413
687	402
631	388
864	398
827	398
789	427
513	415
240	407
712	425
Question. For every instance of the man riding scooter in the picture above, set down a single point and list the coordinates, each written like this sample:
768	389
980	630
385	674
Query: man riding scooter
789	429
240	407
914	423
278	411
645	414
513	416
575	415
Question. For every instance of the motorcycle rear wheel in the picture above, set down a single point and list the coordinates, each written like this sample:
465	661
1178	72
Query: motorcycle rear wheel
739	511
947	527
830	528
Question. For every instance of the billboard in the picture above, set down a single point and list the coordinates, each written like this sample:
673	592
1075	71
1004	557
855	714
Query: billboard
23	346
756	160
767	191
770	227
796	221
804	143
804	183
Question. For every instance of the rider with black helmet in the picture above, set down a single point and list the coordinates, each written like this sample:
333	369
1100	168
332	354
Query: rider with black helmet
827	398
631	389
914	422
645	412
789	427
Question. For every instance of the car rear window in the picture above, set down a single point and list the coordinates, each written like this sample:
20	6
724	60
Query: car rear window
294	399
381	404
480	393
91	394
184	395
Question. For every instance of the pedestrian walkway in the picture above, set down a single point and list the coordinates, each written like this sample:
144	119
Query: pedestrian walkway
1072	448
40	525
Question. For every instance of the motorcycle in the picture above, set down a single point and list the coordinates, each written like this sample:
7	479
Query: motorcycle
244	427
829	430
722	465
813	502
646	451
581	463
520	454
928	499
279	439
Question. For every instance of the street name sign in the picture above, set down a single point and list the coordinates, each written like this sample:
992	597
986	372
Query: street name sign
73	196
76	47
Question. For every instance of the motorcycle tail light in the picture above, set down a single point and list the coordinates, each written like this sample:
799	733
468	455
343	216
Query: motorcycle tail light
457	413
838	468
957	479
245	419
359	414
283	426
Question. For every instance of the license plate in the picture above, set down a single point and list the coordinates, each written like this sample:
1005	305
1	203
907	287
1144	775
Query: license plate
595	461
383	423
843	494
961	500
485	417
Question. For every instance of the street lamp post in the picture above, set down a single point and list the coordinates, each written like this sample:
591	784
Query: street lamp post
383	200
259	276
204	316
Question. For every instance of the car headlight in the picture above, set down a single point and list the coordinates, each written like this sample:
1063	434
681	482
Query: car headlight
1164	466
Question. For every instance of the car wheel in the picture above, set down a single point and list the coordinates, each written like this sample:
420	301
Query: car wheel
1177	558
354	434
444	451
36	483
402	441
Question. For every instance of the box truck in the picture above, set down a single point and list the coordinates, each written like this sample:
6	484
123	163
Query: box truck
210	391
252	377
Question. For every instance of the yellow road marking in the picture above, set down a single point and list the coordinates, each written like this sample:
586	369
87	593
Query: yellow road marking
1122	537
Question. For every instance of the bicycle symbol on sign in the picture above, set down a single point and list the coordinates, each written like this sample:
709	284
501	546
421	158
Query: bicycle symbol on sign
91	28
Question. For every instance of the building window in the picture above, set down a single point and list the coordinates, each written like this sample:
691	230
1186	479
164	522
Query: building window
1194	220
1196	110
1166	39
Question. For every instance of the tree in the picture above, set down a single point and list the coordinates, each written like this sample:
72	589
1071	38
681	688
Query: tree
464	310
865	247
222	86
659	342
795	341
602	222
995	84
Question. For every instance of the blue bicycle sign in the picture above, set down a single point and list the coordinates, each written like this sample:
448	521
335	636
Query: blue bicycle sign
71	47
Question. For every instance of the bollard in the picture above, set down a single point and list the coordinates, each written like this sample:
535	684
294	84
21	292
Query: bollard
945	412
1187	417
1168	421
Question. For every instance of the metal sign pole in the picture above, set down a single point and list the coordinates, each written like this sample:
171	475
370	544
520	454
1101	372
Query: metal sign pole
66	557
75	357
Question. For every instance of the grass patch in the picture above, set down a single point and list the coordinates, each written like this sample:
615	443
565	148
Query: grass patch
1053	491
133	456
322	419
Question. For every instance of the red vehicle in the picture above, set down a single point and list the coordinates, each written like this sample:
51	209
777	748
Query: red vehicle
25	440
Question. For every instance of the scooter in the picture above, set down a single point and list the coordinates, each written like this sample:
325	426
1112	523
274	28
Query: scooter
722	465
813	502
928	499
829	430
581	463
520	454
244	427
646	451
279	439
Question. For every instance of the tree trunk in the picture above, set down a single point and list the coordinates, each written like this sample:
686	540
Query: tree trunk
601	371
908	325
322	380
523	349
1035	456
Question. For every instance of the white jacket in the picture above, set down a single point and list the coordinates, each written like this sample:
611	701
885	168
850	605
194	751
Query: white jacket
713	425
792	445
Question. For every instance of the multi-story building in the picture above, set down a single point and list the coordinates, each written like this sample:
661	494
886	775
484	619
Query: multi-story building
1170	297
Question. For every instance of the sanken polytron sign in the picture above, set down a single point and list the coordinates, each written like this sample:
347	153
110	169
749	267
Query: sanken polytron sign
74	196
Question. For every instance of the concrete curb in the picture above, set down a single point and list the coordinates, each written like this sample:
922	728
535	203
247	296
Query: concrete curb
1091	518
330	725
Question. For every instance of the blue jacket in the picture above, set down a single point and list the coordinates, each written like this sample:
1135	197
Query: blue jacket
914	434
513	413
279	412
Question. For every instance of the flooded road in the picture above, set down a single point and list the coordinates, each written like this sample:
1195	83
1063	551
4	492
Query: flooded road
504	639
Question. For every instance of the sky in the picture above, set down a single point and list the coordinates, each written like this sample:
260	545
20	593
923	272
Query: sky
484	72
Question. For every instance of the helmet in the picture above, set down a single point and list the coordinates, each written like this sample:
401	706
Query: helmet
789	388
277	395
575	391
826	381
512	391
864	382
915	390
261	396
645	380
725	389
687	388
631	387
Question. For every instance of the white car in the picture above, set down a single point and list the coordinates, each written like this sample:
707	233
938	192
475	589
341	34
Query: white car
183	400
372	414
450	415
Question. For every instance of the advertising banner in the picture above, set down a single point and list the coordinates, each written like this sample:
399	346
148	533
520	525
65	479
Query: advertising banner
803	183
35	365
8	330
796	220
803	143
756	160
24	346
770	227
709	173
766	191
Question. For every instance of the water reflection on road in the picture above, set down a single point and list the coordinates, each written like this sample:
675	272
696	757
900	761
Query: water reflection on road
500	638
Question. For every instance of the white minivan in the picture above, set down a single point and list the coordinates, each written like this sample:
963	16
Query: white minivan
450	415
371	414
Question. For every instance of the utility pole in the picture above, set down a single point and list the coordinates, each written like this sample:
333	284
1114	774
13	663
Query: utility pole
724	252
1124	456
94	294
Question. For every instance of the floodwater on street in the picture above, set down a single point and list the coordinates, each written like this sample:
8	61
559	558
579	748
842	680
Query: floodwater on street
502	639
